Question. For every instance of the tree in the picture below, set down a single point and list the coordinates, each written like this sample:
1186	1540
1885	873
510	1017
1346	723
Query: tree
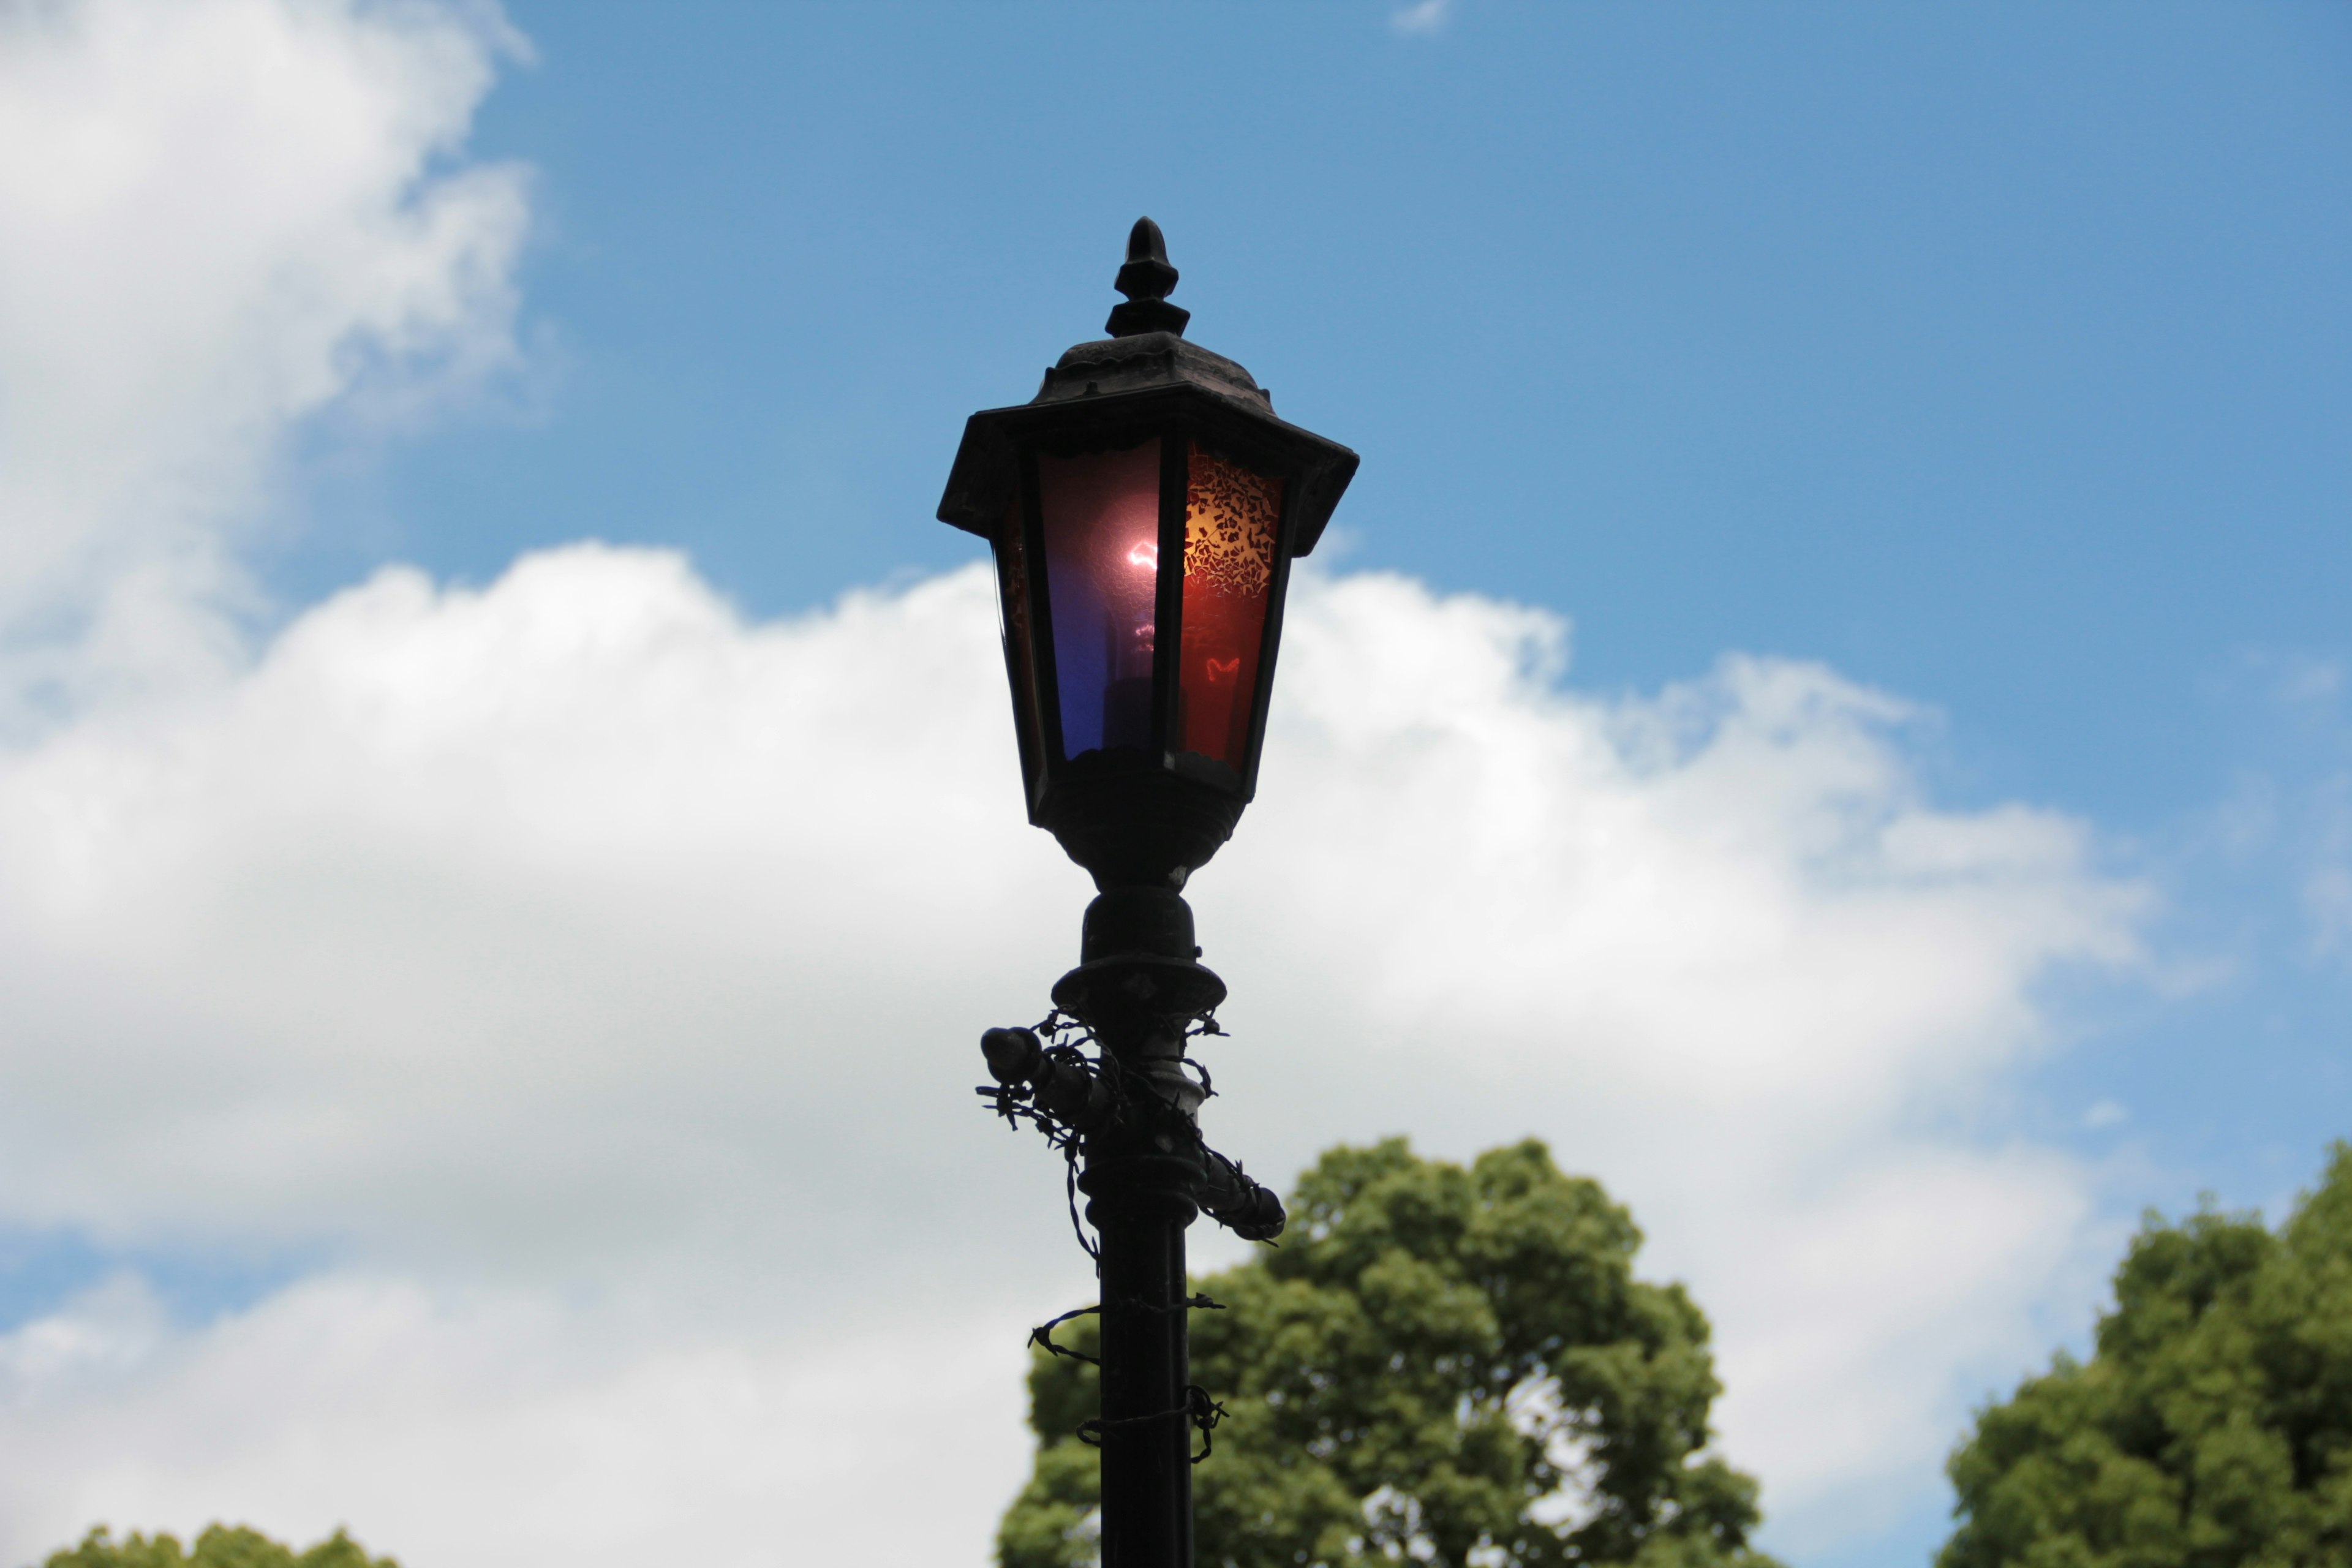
218	1547
2212	1425
1456	1365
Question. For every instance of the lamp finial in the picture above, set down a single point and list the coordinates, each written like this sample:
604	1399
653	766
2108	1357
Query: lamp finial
1146	280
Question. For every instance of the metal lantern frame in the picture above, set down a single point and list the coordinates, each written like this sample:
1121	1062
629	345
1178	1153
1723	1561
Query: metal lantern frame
1148	814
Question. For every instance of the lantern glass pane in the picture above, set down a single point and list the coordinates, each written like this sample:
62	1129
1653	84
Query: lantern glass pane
1231	516
1101	516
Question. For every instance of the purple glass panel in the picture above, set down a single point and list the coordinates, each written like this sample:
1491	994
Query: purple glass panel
1101	516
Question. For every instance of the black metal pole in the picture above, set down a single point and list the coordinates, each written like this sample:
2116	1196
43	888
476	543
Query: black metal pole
1138	985
1132	1113
1141	1184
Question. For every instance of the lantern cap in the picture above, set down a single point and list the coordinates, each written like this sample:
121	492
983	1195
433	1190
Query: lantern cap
1146	280
1145	369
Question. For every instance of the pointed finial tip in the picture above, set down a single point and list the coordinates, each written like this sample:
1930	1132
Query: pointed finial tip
1146	280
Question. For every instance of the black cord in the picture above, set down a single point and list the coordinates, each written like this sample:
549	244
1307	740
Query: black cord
1203	1412
1042	1334
1070	1189
1016	1102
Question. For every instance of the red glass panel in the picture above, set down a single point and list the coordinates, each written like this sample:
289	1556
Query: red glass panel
1101	516
1230	518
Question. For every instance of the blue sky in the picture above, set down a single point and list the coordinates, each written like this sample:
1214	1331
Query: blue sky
423	960
1997	357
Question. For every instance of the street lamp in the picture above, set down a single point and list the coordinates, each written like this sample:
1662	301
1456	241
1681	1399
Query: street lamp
1144	510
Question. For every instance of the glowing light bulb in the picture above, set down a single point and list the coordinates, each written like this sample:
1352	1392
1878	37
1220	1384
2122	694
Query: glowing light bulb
1146	555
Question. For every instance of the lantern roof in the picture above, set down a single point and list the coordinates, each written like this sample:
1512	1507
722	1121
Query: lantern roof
1145	362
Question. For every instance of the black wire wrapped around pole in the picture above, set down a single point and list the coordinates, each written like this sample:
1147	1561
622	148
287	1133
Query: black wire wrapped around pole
1124	1114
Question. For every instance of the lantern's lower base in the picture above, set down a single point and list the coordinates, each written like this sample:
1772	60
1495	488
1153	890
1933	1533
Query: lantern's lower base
1138	965
1139	829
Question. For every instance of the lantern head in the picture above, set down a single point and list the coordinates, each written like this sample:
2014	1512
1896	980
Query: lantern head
1144	507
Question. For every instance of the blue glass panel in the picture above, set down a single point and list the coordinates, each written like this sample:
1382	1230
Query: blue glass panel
1101	516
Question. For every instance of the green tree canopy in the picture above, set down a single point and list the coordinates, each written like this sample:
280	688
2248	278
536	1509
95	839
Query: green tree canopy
1455	1365
2212	1426
219	1546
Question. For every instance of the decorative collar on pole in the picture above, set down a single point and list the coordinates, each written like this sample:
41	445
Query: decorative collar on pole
1146	280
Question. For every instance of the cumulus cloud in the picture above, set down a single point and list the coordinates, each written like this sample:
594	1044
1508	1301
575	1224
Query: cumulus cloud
568	986
495	1430
574	945
215	218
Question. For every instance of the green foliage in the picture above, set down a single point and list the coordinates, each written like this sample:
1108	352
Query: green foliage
1454	1366
218	1547
2213	1426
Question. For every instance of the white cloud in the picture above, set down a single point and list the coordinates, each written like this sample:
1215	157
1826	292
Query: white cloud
215	217
1421	16
1718	949
578	983
497	1430
571	941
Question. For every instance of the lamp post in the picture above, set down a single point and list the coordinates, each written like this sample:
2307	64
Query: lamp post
1144	509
